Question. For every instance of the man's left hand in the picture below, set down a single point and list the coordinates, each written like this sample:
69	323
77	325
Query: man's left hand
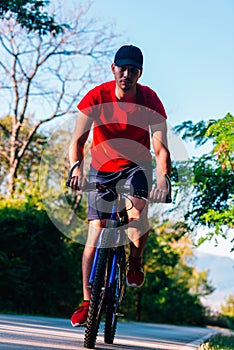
161	194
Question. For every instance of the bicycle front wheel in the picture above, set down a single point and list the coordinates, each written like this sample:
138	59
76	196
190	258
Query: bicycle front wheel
96	300
114	298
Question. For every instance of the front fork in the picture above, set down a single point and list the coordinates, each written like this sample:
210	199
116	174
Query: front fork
110	230
102	239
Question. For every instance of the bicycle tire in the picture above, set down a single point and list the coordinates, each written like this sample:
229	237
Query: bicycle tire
96	301
115	296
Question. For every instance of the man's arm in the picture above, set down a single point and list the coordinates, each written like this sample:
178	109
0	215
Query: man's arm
163	160
76	149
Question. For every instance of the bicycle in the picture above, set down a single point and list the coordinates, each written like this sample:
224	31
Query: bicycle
108	273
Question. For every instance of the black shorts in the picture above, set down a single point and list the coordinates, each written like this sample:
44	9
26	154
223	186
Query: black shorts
137	178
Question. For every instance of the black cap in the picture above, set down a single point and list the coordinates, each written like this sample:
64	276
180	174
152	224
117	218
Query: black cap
129	54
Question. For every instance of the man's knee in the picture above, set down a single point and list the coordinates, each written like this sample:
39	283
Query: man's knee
141	224
134	216
138	217
94	230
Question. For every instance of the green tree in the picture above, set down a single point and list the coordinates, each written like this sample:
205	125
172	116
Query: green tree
28	167
212	201
225	318
228	308
31	14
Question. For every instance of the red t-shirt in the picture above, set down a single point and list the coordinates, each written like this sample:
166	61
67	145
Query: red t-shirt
121	133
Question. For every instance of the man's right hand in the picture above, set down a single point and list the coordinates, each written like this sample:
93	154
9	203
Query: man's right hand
78	182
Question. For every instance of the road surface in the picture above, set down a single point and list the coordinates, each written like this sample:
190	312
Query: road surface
34	333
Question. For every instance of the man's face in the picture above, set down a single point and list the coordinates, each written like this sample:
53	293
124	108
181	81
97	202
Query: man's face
126	76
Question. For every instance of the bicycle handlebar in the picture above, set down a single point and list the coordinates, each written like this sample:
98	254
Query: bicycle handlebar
75	165
100	187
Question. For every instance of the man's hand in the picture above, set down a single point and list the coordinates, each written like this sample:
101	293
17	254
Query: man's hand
78	182
75	179
158	196
161	194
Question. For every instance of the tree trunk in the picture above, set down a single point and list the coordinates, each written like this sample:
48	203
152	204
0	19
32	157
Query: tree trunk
11	181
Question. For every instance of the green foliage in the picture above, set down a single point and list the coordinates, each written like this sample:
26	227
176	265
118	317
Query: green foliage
40	269
222	134
29	163
228	308
212	201
196	132
31	15
167	295
213	187
219	342
227	312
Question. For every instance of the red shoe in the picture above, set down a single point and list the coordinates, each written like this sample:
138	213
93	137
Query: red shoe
135	274
80	315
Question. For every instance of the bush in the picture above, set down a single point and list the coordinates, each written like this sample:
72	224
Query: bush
219	342
40	269
220	321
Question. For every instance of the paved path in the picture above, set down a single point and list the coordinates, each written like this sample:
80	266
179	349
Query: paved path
34	333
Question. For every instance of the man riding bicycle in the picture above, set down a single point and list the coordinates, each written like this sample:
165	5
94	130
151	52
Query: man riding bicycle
126	118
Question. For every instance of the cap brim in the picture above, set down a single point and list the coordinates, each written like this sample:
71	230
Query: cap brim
128	61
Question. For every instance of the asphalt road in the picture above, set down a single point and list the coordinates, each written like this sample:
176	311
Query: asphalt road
34	333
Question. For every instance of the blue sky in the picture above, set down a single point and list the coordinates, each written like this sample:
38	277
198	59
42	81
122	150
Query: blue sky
188	48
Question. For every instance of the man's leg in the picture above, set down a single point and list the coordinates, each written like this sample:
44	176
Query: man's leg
138	229
138	226
88	254
137	247
80	314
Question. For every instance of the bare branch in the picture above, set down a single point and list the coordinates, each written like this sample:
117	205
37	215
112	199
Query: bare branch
5	155
5	129
44	77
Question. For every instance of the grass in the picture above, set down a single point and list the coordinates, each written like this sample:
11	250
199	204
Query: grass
219	342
